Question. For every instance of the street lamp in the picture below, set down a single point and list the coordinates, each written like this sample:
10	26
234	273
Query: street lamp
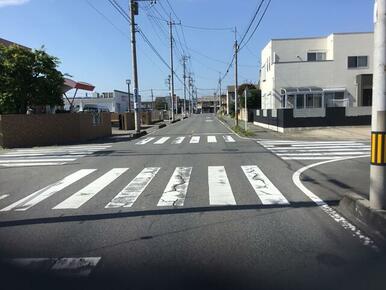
128	82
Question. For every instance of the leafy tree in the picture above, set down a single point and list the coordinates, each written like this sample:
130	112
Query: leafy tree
253	98
160	104
28	78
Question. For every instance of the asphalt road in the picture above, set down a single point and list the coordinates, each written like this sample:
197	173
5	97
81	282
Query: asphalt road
191	206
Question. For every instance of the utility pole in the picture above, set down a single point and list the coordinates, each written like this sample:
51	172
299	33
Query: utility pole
378	122
246	109
171	23
137	102
152	98
184	60
190	94
236	80
168	80
215	103
219	82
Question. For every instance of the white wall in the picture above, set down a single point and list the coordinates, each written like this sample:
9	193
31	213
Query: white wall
292	69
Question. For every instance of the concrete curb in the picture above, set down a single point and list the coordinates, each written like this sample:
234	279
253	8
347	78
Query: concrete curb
175	121
161	126
138	135
359	207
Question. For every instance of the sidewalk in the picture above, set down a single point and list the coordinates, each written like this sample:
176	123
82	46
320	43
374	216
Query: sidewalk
331	133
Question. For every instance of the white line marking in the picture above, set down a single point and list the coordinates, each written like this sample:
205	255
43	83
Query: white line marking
43	156
36	160
323	150
326	208
229	139
175	191
144	141
162	140
264	188
178	140
46	192
321	154
312	158
220	191
85	194
195	140
212	139
64	266
3	196
31	164
60	150
133	190
312	147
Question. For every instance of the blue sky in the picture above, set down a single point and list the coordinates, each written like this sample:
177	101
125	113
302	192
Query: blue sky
94	50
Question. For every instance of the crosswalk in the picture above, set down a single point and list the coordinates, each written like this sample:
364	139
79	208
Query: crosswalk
210	139
48	156
174	194
315	150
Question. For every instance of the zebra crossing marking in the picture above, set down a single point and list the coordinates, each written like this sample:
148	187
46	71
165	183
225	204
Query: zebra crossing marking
144	141
3	196
212	139
162	140
134	189
179	140
47	156
175	191
315	150
195	140
220	191
85	194
229	139
264	188
44	193
76	267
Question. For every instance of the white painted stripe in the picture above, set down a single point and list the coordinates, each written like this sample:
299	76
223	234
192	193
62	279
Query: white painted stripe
321	154
178	140
353	230
31	164
312	158
46	192
162	140
324	150
36	160
85	194
195	140
133	190
220	191
307	142
144	141
264	188
2	157
229	139
175	191
212	139
64	266
329	144
326	147
3	196
61	149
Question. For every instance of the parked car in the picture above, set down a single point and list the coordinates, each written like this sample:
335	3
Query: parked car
94	108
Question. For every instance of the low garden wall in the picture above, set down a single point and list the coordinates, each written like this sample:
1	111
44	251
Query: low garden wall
42	130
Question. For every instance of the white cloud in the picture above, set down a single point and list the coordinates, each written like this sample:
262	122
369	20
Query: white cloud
4	3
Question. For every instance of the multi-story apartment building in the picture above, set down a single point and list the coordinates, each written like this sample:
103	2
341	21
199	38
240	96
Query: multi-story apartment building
318	72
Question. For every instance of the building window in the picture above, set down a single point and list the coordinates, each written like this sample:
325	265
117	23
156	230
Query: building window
357	62
316	56
300	101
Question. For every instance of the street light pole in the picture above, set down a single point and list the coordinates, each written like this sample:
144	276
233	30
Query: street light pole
378	122
128	82
246	109
137	102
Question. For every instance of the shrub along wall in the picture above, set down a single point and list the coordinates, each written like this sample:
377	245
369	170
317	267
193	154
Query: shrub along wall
40	130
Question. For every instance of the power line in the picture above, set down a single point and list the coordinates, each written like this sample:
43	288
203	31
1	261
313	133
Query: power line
258	24
251	22
207	28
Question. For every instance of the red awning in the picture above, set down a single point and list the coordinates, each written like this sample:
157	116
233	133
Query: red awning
70	84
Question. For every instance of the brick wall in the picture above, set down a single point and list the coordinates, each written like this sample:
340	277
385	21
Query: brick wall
40	130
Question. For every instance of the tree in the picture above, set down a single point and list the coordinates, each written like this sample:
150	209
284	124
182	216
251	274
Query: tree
28	78
254	96
160	104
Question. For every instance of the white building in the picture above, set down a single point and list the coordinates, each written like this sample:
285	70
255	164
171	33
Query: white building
317	72
116	101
